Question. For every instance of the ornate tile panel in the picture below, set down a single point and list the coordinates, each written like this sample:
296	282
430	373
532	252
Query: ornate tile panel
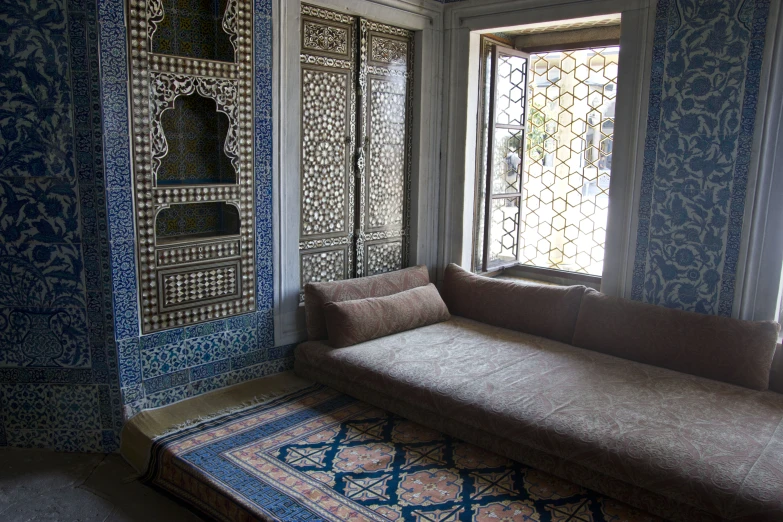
703	95
38	139
55	309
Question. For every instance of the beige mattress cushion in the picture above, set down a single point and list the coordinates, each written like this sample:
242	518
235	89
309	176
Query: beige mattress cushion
316	295
720	348
548	311
704	443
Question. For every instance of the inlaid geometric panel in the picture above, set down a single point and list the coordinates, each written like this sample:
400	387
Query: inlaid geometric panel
192	135
355	175
324	152
327	38
209	283
384	257
386	183
328	146
385	82
388	50
328	265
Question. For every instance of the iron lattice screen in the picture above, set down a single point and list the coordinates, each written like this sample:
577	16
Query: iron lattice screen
551	158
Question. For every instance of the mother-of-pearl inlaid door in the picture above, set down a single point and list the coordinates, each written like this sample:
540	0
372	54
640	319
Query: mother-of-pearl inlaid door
355	142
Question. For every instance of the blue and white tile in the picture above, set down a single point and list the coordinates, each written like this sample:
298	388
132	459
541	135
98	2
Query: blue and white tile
209	348
241	321
132	394
204	329
249	359
157	361
241	341
163	338
164	382
165	397
44	337
204	371
209	384
129	362
266	329
120	215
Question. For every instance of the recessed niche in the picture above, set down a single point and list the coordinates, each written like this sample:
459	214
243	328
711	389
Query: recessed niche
196	134
193	28
191	221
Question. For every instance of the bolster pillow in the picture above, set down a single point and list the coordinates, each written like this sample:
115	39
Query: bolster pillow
353	322
718	348
316	295
546	311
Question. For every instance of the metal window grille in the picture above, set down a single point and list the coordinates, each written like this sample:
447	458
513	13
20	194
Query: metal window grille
549	158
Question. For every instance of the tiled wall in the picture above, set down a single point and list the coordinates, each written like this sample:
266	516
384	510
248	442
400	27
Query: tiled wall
703	94
168	366
59	386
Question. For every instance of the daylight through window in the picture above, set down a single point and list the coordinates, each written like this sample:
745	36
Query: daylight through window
548	158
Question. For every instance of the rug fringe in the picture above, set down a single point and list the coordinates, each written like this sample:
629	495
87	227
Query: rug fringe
255	401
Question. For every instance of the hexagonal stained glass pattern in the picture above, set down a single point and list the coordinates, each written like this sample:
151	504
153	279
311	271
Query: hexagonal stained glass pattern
568	159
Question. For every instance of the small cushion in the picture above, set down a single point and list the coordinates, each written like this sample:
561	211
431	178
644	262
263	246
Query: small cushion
353	322
719	348
776	375
316	295
546	311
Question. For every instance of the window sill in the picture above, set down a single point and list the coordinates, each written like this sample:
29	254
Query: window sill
544	276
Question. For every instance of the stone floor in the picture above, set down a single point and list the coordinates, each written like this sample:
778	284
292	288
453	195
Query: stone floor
37	485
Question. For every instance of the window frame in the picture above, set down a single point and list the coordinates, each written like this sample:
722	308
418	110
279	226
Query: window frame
464	25
487	168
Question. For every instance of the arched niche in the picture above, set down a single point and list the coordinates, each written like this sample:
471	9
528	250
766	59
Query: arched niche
195	134
195	29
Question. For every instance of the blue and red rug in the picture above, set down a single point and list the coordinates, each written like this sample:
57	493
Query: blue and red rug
317	454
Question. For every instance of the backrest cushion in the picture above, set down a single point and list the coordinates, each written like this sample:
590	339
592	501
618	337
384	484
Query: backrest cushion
316	295
353	322
719	348
776	374
546	311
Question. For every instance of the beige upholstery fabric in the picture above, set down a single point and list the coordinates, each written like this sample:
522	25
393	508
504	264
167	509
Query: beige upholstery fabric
720	348
352	322
548	311
776	374
708	445
318	294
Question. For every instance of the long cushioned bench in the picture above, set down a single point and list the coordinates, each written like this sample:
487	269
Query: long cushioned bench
678	445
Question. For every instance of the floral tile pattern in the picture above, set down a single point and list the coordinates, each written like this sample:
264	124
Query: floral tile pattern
703	95
58	366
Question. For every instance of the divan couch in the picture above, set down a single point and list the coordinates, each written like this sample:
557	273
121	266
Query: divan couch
667	440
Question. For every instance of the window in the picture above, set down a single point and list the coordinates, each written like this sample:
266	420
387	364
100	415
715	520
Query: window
549	125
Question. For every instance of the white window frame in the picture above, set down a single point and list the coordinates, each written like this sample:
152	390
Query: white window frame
464	21
760	265
424	17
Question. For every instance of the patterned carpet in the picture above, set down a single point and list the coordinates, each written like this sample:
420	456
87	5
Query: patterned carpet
317	454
